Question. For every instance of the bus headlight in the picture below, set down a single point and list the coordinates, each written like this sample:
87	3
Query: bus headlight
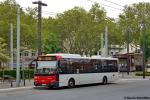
35	77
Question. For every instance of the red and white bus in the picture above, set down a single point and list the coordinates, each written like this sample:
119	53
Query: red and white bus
58	70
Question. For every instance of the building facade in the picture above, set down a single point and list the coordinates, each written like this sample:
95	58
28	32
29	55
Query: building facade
26	57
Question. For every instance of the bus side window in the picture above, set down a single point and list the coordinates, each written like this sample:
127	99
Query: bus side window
73	67
104	66
116	66
112	66
99	66
95	66
63	67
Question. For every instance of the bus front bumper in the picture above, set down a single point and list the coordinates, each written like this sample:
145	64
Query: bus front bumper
52	84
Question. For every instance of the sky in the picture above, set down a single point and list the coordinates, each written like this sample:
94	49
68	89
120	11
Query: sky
59	6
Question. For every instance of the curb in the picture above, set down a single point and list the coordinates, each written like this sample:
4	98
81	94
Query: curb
17	88
126	79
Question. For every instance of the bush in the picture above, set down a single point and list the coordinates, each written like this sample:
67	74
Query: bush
141	74
27	73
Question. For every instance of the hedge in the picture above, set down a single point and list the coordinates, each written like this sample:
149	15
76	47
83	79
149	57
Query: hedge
141	74
27	73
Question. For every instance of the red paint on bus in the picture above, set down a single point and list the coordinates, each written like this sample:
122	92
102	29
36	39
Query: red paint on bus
44	80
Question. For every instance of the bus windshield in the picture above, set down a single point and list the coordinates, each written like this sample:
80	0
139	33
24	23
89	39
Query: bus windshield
46	67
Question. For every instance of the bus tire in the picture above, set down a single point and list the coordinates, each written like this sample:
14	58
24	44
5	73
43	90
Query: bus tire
71	83
104	82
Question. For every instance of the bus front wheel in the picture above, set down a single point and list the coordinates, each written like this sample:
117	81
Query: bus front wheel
71	83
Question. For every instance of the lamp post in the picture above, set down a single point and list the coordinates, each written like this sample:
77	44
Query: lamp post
11	47
142	26
18	48
128	41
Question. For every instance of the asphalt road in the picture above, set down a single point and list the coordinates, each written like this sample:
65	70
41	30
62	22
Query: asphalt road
120	90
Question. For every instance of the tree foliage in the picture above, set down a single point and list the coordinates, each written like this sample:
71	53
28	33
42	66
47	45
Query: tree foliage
8	15
131	18
3	51
81	30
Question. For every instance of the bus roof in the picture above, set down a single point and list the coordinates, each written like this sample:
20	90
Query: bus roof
99	57
63	55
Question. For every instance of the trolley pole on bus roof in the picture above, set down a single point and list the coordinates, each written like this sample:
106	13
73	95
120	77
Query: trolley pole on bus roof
40	4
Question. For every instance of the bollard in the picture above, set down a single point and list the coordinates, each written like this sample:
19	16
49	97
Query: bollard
122	75
24	82
23	76
11	82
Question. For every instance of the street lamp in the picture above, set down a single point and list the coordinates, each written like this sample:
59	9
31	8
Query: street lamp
142	26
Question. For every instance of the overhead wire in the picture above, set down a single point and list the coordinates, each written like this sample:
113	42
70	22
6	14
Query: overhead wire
43	12
105	5
114	3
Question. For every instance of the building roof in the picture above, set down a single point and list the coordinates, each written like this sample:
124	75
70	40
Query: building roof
100	57
132	49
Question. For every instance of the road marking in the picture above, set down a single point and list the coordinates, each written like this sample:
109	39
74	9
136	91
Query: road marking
17	88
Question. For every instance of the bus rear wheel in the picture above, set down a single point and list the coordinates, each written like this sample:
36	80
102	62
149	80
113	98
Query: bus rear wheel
104	82
71	83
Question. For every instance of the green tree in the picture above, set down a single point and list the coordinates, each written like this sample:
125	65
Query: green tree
79	30
29	28
147	47
131	17
50	36
70	24
51	44
7	16
3	51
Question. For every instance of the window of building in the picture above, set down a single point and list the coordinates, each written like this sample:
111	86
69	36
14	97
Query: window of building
26	53
33	53
21	54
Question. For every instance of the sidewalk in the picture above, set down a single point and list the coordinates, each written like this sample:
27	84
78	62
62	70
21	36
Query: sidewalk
123	75
7	85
